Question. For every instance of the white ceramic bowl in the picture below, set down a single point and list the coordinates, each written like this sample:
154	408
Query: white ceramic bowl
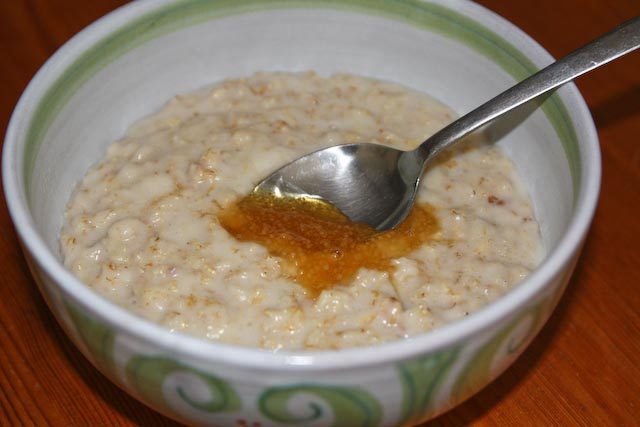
129	63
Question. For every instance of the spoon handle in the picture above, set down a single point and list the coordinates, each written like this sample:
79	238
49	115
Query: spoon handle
612	45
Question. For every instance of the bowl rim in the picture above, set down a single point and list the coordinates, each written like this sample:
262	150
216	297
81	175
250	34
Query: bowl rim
430	342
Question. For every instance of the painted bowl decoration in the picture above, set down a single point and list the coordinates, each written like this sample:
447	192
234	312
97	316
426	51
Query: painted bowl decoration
127	64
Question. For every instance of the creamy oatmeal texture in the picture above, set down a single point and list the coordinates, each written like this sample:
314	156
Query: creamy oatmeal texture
142	226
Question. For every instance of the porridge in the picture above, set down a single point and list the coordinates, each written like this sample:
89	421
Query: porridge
152	227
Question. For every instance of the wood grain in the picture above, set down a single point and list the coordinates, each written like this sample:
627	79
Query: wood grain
583	369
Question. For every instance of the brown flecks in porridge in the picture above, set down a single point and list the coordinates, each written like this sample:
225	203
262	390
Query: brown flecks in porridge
495	200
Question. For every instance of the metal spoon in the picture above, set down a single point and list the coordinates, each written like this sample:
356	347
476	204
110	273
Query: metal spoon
377	185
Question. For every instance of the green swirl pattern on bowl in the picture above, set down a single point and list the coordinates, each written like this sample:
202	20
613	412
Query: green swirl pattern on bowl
96	336
504	345
147	375
184	13
420	379
351	407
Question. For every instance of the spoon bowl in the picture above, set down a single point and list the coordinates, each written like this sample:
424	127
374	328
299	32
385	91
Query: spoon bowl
386	180
377	185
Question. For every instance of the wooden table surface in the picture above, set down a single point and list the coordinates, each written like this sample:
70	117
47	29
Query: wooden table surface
583	368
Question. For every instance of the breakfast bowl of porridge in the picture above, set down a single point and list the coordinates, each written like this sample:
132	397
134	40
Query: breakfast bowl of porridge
129	165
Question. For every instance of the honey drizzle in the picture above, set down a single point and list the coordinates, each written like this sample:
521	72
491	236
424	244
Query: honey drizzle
324	246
